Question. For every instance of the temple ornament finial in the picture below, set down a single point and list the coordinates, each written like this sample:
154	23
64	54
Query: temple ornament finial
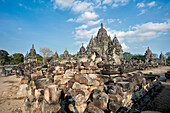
102	25
32	45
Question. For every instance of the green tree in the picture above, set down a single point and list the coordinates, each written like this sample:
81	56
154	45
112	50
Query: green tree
167	55
18	57
11	59
138	57
72	55
155	55
49	58
4	56
127	55
39	57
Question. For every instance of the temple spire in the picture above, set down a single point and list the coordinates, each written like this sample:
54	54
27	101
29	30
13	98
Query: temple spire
148	47
32	45
115	35
102	25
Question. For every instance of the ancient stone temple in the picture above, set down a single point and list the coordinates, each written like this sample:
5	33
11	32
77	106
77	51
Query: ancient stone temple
82	55
55	57
65	57
31	56
162	59
148	57
103	47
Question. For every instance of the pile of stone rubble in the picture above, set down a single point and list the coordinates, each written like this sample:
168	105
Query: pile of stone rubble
82	88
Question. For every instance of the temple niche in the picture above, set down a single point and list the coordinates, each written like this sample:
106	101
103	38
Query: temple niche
162	59
103	48
31	56
148	57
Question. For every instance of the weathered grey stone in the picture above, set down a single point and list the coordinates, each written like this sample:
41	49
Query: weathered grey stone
84	80
113	106
50	108
93	109
52	94
101	101
40	83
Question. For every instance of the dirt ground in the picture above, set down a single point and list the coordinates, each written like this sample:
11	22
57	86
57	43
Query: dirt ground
10	103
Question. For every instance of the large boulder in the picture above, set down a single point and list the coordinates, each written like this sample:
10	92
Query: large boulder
113	106
68	74
100	100
81	108
50	108
79	99
93	109
84	79
40	83
52	94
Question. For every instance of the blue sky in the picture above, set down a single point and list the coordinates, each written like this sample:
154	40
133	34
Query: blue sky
60	24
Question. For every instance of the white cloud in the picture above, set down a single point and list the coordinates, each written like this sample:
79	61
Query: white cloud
115	5
89	23
119	21
124	46
87	16
61	4
145	31
136	33
86	34
140	5
104	7
82	27
114	20
159	7
110	20
81	42
20	5
70	20
19	28
120	3
151	4
82	6
142	12
107	1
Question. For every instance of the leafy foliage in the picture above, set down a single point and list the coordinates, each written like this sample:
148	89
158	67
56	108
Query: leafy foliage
4	56
155	55
39	57
72	55
127	55
138	57
17	58
49	58
167	55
